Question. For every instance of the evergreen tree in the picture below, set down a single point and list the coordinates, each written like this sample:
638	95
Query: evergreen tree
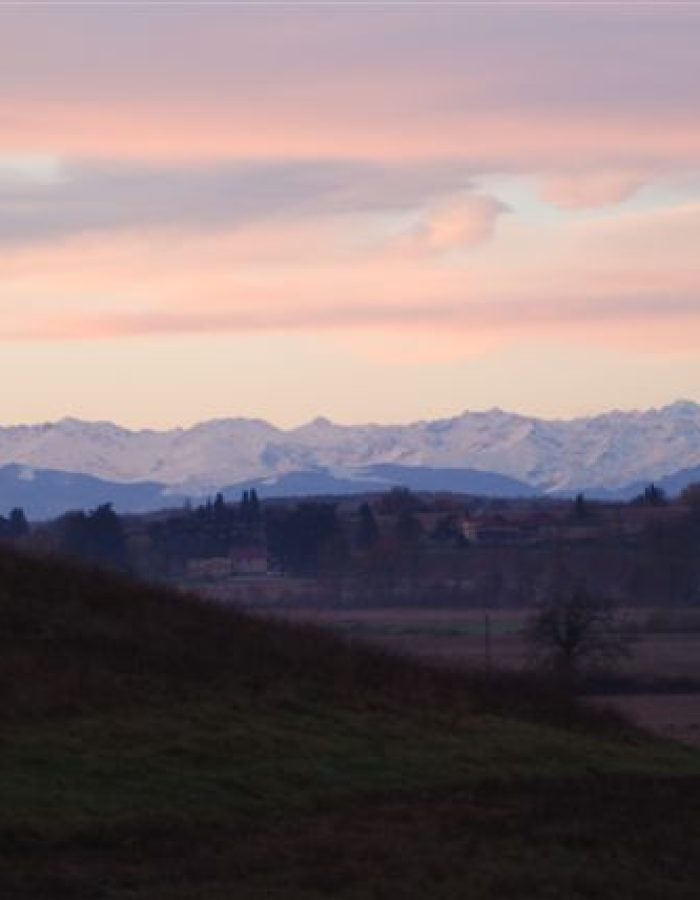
17	524
367	530
219	508
97	537
245	508
106	539
254	507
652	496
296	537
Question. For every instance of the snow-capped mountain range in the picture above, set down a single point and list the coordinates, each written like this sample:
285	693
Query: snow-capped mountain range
600	453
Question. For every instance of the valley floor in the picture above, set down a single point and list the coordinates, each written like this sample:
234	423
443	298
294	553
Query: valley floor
661	678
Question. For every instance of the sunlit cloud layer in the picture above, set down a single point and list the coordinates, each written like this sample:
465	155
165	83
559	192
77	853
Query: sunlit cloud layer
420	185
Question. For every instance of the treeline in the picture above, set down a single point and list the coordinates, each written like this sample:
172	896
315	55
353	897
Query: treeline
299	538
14	527
208	531
302	538
97	538
399	547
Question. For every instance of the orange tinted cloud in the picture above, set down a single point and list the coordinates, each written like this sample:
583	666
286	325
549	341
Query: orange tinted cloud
592	188
454	224
507	87
482	140
601	278
318	173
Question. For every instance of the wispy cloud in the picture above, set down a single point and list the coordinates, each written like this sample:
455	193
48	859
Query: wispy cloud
604	278
92	196
334	174
511	87
451	225
590	189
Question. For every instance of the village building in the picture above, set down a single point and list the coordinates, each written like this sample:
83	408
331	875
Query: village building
250	560
211	568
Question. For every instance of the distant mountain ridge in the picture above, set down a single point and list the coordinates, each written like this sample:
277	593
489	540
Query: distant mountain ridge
45	494
603	454
375	479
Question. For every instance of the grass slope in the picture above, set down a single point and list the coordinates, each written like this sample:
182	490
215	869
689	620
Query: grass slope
152	746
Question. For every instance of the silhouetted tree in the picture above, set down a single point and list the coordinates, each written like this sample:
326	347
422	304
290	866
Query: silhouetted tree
255	512
367	530
251	516
399	500
296	537
219	508
107	536
651	496
573	626
691	496
97	537
14	527
580	508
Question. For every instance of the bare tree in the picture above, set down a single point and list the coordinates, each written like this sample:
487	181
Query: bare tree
573	627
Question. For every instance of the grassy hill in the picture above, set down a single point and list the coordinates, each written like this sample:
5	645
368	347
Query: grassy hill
152	746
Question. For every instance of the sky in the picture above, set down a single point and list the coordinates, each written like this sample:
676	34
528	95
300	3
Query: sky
368	211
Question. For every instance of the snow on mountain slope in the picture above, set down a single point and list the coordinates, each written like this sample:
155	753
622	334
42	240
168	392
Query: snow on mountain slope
605	451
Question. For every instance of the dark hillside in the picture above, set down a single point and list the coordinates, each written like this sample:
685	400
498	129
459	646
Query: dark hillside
153	746
75	639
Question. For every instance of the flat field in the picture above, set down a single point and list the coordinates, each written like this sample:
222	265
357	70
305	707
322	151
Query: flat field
659	684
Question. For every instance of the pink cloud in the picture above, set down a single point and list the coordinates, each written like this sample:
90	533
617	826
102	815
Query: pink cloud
508	89
483	140
413	334
452	225
590	189
607	279
433	101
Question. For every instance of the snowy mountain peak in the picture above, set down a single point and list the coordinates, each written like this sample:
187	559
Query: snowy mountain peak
682	408
319	423
603	451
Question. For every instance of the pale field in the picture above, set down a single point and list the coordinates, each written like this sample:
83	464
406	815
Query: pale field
458	637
